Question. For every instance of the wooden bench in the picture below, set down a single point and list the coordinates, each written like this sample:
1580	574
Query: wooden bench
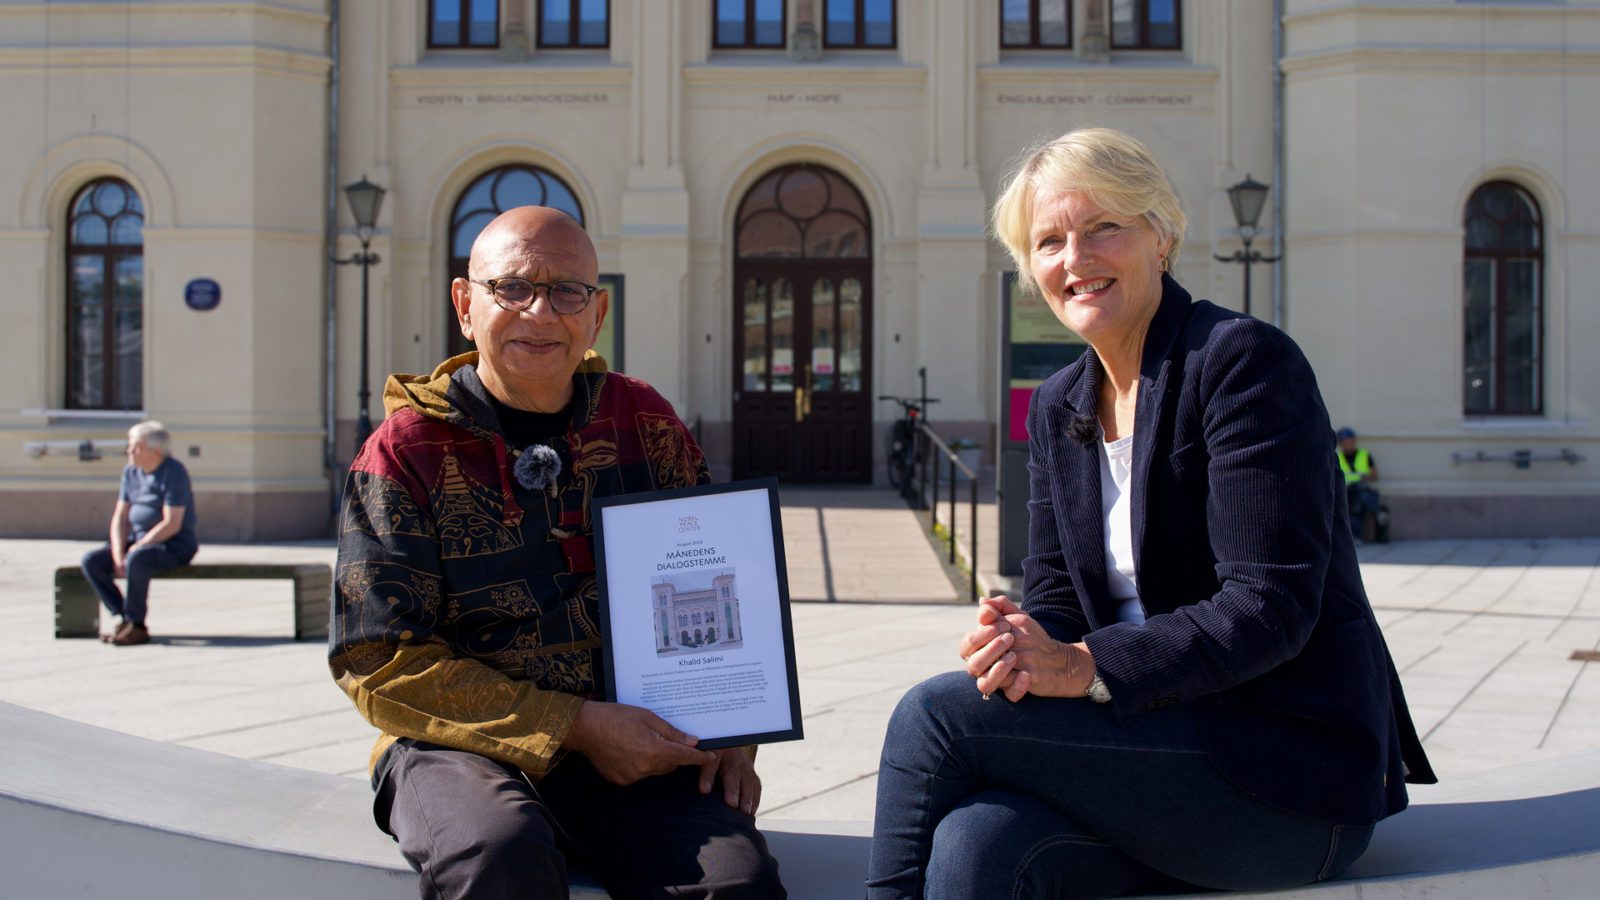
89	812
78	606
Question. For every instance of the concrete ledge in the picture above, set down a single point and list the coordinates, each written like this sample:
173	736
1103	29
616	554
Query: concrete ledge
1529	830
89	812
85	811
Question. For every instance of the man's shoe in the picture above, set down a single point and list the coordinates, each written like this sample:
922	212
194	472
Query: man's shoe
116	633
131	634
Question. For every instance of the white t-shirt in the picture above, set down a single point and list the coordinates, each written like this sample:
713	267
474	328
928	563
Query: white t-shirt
1116	503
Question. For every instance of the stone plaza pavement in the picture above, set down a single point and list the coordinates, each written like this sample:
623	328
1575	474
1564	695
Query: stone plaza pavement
1483	633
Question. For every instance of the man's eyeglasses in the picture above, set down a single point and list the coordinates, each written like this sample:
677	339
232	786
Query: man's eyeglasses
517	294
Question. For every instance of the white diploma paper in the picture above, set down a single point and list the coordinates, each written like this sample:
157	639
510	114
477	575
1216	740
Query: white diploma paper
696	614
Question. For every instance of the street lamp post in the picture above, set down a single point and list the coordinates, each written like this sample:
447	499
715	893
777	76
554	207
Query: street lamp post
365	199
1247	198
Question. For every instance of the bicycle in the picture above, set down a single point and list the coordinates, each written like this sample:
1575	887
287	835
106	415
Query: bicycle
905	447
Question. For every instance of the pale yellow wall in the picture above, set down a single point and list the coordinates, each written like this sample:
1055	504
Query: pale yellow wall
215	113
215	116
1396	113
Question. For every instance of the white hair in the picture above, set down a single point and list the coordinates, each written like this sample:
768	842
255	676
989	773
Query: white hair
153	435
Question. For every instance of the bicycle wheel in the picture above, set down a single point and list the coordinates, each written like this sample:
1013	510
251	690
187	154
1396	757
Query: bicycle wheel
899	451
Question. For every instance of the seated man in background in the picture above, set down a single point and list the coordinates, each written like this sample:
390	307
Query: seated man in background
152	530
466	624
1359	473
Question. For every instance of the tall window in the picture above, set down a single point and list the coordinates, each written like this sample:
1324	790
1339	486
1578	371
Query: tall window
463	23
1503	292
574	23
749	23
105	298
1036	24
1146	25
492	194
859	23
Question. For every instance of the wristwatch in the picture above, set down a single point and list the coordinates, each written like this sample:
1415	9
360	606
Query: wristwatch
1097	691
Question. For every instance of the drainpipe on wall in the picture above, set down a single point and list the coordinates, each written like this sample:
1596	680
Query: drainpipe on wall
329	225
1278	282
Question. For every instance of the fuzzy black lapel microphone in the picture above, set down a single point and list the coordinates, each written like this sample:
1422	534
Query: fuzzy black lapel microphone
1084	429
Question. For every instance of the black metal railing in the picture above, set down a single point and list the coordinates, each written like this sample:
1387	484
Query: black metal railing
935	448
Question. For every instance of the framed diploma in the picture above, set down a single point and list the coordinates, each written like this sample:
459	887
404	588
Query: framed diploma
694	610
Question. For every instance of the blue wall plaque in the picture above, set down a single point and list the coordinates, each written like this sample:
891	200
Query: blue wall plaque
202	294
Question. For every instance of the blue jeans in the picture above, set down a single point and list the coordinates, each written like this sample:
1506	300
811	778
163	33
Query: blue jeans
141	564
1050	797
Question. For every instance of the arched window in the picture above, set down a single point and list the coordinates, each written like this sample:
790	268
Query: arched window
105	297
1503	290
492	194
803	211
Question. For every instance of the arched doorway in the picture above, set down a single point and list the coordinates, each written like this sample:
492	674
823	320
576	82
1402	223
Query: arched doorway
491	194
802	329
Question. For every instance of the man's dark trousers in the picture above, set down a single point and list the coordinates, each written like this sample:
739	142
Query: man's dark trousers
473	827
141	565
1362	500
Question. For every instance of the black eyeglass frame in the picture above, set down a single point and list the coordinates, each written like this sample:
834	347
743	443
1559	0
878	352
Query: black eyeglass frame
493	285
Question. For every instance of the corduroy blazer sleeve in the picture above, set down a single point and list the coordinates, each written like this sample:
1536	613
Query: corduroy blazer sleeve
1047	588
1267	477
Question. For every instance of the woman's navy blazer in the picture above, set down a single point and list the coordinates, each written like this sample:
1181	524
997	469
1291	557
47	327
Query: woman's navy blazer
1256	617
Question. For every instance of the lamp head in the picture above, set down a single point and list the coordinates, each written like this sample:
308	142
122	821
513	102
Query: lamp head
365	200
1247	197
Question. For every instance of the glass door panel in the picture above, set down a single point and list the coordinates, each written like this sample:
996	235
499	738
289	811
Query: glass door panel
850	335
783	332
755	335
822	335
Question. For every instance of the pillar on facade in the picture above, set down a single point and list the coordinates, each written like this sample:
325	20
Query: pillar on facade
805	45
514	32
654	234
1095	46
952	246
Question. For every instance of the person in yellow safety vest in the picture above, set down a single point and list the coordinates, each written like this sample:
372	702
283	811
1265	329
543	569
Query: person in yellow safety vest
1359	471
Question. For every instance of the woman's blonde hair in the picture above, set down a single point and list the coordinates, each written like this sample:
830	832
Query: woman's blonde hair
1114	169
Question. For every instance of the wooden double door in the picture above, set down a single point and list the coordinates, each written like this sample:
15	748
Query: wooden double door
802	359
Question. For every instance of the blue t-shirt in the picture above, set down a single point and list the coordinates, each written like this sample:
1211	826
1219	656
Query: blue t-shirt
146	493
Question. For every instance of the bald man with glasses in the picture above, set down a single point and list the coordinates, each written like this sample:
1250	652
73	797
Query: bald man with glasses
466	625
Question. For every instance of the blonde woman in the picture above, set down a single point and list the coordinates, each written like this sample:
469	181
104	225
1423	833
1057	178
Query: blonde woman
1192	690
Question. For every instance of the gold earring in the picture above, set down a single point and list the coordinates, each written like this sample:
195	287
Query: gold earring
1166	264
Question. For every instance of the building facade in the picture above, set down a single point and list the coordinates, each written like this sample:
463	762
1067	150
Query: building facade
788	198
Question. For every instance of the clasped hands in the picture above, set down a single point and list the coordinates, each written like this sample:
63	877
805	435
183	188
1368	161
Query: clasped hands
1009	653
628	743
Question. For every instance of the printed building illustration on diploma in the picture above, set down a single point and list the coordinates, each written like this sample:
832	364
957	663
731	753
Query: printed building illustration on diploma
697	617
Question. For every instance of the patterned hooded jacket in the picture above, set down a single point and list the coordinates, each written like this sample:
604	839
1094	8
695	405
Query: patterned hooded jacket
465	606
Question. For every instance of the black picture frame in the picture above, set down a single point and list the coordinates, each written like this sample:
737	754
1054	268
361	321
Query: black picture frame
621	518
